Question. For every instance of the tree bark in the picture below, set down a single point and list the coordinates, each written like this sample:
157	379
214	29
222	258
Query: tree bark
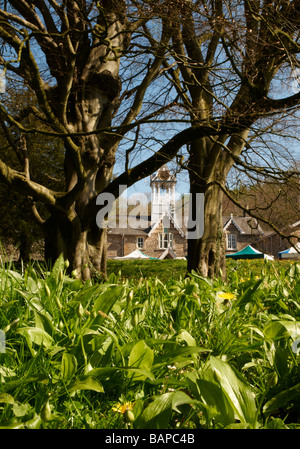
206	255
82	49
84	248
64	235
97	245
93	96
25	246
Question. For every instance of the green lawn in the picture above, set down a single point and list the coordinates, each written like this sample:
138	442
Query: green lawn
150	348
165	270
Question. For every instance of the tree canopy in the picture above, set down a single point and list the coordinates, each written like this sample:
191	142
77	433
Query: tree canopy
201	75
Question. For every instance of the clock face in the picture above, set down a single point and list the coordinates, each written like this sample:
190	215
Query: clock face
164	175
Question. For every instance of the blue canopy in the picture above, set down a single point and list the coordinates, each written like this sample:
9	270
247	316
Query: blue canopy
290	253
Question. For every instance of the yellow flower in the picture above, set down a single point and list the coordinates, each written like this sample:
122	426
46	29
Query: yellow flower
226	296
122	408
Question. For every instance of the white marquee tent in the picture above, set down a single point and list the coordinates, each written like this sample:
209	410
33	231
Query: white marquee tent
136	254
290	253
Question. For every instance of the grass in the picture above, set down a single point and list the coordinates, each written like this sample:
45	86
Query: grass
168	270
162	269
176	352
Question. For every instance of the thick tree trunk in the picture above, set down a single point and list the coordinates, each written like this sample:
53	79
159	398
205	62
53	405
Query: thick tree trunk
206	255
25	247
97	246
84	246
66	236
95	89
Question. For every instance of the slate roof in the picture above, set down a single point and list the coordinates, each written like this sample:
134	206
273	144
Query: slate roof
127	231
145	227
245	225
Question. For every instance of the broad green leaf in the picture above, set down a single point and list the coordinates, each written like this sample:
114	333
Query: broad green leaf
282	399
106	300
13	384
15	275
207	281
6	373
87	383
17	425
293	328
140	373
33	285
35	303
157	414
21	409
58	267
116	342
179	355
248	295
24	294
34	423
281	361
275	330
36	335
214	397
276	423
86	295
180	398
42	321
238	392
6	398
192	379
68	365
215	403
141	356
237	425
190	341
186	336
102	372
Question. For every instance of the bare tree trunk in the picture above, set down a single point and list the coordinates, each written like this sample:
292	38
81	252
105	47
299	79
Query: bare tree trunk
75	233
25	246
206	255
82	47
95	91
66	236
97	245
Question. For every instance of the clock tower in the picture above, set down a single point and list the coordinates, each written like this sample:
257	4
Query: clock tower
163	194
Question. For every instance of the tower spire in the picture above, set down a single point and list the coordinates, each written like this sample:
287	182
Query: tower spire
163	185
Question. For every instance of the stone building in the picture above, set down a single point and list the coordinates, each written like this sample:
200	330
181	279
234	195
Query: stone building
160	235
272	243
241	232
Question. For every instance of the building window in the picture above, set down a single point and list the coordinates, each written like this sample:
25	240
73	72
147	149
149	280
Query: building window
140	242
231	241
165	240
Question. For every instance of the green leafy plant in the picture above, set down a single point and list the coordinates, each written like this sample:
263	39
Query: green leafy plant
184	353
